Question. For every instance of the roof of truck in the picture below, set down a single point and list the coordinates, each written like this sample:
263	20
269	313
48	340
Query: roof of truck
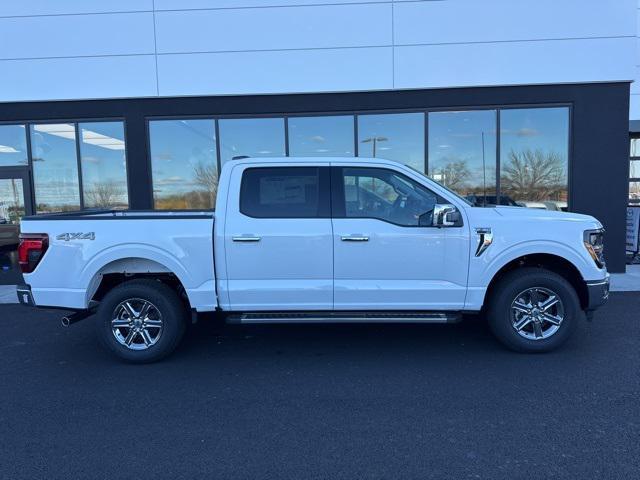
313	160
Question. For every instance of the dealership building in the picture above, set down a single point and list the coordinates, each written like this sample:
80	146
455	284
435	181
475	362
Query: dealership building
139	103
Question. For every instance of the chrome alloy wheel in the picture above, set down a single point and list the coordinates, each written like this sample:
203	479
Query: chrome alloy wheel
537	313
136	324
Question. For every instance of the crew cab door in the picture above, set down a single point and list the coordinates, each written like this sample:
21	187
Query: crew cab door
387	256
278	238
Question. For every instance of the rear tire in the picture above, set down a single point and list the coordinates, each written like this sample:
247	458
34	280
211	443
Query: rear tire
141	321
533	310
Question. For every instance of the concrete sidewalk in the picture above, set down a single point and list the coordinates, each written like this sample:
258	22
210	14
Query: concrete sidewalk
620	282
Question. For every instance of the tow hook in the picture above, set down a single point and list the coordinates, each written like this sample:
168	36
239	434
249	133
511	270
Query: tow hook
77	316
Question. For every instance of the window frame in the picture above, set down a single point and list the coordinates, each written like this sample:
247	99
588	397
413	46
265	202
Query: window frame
338	200
324	192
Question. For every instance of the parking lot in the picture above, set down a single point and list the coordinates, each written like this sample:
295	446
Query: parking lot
323	401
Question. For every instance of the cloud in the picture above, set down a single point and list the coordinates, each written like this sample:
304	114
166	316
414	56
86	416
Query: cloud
318	138
170	180
91	159
527	132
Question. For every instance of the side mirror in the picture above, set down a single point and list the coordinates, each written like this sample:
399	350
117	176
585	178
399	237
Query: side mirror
446	215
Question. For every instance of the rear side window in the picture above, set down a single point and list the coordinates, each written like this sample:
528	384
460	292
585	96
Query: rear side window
285	192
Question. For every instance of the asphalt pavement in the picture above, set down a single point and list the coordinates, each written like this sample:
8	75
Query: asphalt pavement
321	401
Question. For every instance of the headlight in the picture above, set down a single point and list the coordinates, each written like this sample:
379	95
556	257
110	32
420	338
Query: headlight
594	243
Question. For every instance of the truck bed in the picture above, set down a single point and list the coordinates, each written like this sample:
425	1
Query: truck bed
85	246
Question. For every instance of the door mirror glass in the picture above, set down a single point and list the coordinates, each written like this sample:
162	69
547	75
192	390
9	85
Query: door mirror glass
446	215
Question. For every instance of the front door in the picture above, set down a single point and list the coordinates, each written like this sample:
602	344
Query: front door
15	203
387	256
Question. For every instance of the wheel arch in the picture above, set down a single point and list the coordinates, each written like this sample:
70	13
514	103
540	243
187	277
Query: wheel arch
116	272
546	261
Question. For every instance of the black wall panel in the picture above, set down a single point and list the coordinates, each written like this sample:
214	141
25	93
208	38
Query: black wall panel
598	168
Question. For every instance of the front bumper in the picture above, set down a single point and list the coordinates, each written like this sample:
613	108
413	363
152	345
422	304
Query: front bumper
597	293
24	295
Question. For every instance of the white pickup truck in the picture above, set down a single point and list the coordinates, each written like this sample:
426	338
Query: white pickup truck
317	240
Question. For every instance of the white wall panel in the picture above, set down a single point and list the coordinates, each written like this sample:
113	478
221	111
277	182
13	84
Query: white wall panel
276	72
58	7
67	78
500	20
76	35
273	28
634	107
266	46
204	4
513	63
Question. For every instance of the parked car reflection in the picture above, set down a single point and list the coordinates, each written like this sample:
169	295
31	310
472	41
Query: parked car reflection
491	200
8	234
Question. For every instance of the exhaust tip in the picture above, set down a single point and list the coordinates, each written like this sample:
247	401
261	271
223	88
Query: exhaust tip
66	321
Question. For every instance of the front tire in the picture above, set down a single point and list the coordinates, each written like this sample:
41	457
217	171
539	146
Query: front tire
533	310
141	321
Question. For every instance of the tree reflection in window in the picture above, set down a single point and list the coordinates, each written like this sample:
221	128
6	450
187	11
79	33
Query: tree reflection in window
534	145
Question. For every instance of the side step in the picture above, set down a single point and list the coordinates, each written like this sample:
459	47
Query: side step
345	317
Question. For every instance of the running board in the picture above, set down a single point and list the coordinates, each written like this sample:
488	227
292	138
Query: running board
346	317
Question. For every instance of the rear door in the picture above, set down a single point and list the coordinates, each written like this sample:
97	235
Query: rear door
278	238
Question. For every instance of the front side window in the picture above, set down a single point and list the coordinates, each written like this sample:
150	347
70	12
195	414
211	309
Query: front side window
386	195
284	192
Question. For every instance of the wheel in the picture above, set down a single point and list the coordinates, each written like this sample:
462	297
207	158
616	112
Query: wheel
141	320
533	310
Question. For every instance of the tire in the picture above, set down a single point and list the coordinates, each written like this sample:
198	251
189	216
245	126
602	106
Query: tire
141	321
516	315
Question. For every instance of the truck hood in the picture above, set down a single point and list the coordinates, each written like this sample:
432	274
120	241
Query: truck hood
534	214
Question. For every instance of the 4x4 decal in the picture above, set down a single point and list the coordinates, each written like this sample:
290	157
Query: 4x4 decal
76	236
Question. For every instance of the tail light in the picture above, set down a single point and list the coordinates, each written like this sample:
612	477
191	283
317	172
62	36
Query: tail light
31	250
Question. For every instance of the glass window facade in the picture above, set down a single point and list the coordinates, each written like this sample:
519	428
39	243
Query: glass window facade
251	137
462	153
184	164
534	151
513	156
322	136
55	167
104	165
13	145
394	136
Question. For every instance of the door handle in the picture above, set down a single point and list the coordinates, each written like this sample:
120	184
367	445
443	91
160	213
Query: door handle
246	238
354	238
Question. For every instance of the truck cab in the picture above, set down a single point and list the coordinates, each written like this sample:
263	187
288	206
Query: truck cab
321	240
